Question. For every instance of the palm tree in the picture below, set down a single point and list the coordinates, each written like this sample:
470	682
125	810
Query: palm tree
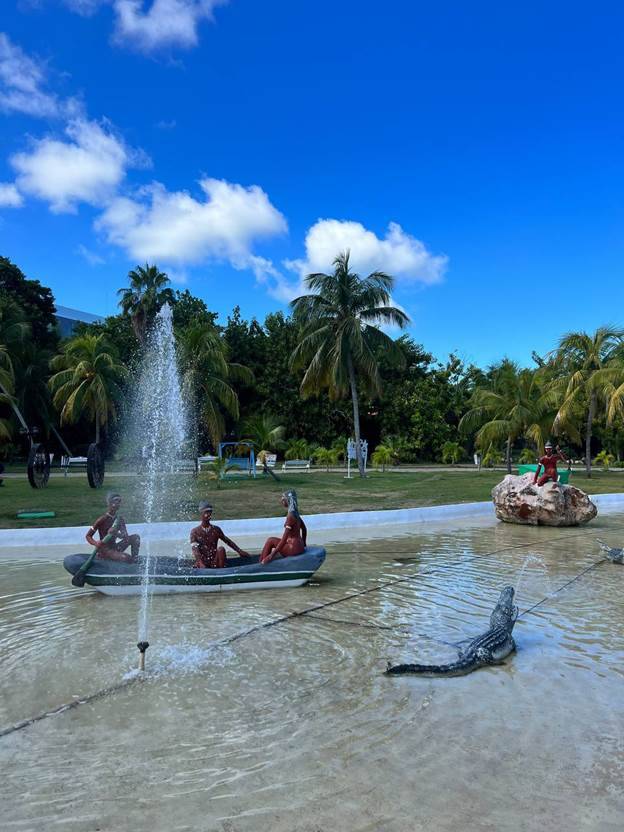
382	455
207	375
452	452
513	405
147	293
87	381
340	340
218	468
264	431
326	457
299	449
580	381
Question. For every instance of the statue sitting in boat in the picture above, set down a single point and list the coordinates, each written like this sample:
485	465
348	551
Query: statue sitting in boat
549	463
205	542
293	541
114	537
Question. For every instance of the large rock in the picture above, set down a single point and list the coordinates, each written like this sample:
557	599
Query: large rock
518	500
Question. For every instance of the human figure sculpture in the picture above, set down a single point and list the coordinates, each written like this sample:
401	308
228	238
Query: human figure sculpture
205	539
549	463
293	541
114	540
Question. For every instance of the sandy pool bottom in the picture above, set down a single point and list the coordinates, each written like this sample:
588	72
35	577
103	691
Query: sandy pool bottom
293	727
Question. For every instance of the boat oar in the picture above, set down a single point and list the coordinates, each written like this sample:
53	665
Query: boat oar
79	577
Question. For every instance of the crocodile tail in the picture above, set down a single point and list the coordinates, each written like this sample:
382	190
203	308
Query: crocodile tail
453	669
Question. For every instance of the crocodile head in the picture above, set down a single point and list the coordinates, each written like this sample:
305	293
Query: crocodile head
505	612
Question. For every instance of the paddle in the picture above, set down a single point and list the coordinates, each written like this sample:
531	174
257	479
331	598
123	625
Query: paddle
79	577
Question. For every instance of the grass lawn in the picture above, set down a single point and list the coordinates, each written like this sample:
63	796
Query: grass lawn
76	504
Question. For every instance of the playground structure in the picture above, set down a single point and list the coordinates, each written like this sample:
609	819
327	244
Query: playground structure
237	463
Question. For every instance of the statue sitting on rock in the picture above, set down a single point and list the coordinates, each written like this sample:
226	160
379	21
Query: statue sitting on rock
536	500
549	463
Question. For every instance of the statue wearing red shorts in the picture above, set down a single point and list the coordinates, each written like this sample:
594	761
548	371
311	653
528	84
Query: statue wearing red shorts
114	549
549	463
205	543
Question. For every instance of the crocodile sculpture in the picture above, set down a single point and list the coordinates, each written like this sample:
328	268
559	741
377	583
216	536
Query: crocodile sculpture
614	555
489	648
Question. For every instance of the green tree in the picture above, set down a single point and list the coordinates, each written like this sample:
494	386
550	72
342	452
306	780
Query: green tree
218	468
188	309
264	431
148	292
511	406
579	381
382	456
35	300
326	457
452	452
527	456
14	332
340	337
299	449
87	381
207	377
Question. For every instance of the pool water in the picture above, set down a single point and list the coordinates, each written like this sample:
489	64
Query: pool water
293	726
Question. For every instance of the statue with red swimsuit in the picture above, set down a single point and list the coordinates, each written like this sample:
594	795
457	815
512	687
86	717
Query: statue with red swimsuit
549	463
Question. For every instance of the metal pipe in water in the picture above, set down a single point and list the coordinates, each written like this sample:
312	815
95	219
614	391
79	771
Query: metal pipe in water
142	645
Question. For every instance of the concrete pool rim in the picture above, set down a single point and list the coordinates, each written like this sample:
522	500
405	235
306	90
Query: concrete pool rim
75	535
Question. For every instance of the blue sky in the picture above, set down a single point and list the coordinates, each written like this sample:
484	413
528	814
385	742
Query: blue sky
473	152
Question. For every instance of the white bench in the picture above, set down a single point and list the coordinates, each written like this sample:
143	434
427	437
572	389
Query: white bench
205	460
296	465
68	462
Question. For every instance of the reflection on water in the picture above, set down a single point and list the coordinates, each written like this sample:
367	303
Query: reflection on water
294	727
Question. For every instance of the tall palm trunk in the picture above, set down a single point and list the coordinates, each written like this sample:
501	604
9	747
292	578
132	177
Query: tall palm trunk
588	433
97	428
356	417
508	455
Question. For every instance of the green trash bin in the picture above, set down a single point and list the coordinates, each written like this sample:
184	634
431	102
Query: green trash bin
564	475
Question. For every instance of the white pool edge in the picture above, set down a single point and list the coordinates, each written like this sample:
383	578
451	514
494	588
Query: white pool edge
75	535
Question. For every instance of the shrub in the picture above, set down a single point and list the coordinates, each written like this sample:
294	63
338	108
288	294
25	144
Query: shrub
604	459
452	452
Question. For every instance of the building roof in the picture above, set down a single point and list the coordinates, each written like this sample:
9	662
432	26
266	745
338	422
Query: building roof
77	315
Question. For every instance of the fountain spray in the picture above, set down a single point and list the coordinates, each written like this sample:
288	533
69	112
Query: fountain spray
157	431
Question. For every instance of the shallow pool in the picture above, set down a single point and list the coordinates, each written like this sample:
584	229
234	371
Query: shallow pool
293	726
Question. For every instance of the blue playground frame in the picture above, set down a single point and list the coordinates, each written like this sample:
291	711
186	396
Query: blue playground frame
242	463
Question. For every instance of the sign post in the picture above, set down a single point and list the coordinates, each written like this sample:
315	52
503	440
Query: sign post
351	454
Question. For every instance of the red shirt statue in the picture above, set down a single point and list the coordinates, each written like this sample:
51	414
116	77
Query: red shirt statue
113	549
549	463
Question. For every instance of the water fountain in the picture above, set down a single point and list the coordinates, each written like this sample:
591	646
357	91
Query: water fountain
157	433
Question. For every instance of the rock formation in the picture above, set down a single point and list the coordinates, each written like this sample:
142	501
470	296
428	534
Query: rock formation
519	500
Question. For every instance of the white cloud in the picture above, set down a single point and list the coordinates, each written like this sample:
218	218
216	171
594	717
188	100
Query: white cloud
174	227
9	195
150	26
21	83
91	257
87	168
398	253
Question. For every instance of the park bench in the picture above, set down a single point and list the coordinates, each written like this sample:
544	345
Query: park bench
206	460
296	465
68	462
